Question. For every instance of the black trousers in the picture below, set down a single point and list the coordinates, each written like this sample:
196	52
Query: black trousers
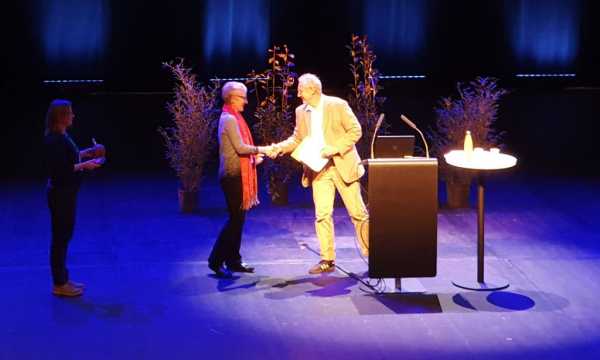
227	246
62	203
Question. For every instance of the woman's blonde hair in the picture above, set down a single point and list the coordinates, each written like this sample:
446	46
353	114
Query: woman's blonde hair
57	111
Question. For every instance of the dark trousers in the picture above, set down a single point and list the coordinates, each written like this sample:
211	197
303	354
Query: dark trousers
227	247
62	203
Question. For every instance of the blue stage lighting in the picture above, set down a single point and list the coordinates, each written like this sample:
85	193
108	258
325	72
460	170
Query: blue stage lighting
397	29
235	27
73	32
544	35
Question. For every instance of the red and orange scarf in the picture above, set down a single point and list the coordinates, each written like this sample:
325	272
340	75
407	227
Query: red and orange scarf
247	163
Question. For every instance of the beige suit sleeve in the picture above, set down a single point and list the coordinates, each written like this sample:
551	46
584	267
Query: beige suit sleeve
353	129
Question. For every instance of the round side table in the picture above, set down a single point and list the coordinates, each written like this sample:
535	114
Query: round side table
484	162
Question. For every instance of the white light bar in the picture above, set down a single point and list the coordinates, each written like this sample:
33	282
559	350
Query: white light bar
95	81
402	77
236	79
557	75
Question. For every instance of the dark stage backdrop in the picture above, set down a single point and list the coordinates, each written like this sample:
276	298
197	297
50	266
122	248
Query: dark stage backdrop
124	43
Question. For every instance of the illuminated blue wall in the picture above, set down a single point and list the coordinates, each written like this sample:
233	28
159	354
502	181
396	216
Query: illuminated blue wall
235	29
73	34
544	34
397	30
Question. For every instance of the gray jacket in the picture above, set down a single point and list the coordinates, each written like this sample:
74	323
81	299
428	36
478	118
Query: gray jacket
231	146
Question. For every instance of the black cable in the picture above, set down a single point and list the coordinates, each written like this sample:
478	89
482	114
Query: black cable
379	286
373	287
379	282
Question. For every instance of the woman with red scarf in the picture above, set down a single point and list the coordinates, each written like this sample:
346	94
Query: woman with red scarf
238	158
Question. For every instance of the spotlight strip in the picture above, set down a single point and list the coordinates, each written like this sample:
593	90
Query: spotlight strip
546	75
394	77
402	77
236	79
94	81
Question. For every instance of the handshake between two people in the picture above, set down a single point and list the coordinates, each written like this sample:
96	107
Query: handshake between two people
272	151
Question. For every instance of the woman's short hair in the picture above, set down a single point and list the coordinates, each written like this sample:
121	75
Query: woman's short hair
231	86
310	80
58	110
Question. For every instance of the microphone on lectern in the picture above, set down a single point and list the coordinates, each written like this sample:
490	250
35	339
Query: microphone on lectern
377	126
412	125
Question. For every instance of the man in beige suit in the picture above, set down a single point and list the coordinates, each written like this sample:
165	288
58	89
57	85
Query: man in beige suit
333	127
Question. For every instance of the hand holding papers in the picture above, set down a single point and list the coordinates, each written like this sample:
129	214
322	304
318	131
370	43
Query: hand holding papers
309	153
328	151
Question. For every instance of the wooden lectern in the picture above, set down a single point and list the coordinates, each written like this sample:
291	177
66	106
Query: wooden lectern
403	207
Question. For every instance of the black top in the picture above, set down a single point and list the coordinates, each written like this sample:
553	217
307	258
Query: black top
61	156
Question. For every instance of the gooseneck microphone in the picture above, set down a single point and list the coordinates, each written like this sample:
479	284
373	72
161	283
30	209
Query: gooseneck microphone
412	125
377	126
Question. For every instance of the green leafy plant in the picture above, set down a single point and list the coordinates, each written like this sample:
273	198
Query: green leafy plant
190	140
274	115
475	109
364	98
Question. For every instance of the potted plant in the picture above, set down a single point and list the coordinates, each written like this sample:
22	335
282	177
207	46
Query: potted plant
274	117
190	139
364	99
476	110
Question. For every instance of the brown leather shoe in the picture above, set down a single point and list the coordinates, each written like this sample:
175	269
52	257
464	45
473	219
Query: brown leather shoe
324	266
67	290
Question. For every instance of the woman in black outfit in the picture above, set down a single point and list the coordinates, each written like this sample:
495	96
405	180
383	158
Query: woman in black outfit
238	158
64	165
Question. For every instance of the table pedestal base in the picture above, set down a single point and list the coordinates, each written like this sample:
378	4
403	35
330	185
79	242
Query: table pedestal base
490	285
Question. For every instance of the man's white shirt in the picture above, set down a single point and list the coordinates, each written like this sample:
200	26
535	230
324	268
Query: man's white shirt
316	124
309	150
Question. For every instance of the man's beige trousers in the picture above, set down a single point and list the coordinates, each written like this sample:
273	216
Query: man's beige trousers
324	185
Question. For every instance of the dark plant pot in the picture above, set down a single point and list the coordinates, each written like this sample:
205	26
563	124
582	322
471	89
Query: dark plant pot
188	201
279	193
457	195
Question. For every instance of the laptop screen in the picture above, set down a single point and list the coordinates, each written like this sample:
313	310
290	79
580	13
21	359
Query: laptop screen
394	146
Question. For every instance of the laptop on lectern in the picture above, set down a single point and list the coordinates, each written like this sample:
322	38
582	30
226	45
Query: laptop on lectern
394	146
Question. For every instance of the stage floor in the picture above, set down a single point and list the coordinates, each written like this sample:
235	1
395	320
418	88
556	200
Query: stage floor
150	294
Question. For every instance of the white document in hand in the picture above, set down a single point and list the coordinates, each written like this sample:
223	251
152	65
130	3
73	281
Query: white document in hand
309	153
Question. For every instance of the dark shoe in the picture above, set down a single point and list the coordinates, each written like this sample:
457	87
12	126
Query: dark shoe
67	290
220	271
241	267
324	266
